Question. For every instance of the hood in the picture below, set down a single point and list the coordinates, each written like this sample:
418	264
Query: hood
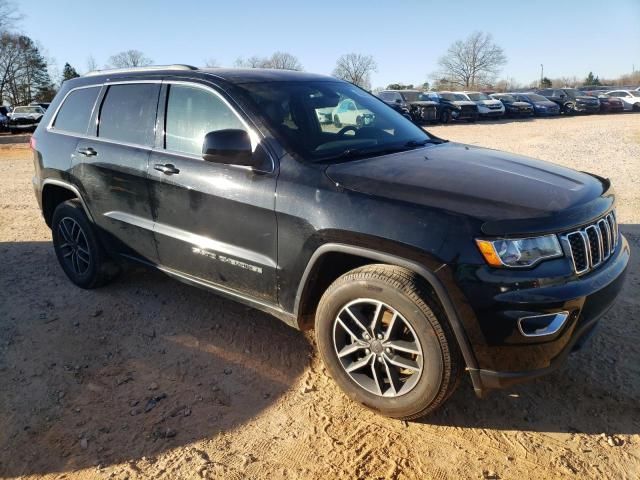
462	103
545	103
424	103
25	115
521	104
489	185
488	102
587	99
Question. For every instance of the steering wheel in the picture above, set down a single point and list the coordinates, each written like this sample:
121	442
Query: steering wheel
344	130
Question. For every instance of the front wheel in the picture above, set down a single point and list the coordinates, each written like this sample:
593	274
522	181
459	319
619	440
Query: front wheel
77	247
569	109
336	121
386	342
445	116
636	107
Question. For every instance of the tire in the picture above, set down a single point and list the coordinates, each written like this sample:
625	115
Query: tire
569	109
473	119
419	323
445	116
359	121
336	121
636	107
77	248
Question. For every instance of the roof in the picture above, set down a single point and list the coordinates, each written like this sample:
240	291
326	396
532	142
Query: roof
231	75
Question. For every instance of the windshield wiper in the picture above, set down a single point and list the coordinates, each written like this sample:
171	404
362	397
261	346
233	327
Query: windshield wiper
380	150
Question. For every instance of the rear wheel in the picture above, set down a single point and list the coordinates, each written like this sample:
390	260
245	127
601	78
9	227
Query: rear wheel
336	121
445	116
569	108
76	245
636	107
386	342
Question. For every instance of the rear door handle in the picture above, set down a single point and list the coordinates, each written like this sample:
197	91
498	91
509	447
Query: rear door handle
166	168
87	152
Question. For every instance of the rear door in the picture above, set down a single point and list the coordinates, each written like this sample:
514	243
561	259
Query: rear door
111	166
214	222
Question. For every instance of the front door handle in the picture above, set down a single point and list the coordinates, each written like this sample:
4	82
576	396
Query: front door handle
166	168
87	152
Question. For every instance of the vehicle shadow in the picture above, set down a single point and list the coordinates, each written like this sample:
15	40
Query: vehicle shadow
596	391
129	370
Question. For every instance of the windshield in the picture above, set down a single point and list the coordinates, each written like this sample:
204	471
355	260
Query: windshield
333	120
573	93
635	94
478	96
411	96
27	110
453	97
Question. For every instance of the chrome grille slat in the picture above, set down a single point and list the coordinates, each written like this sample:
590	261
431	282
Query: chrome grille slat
591	245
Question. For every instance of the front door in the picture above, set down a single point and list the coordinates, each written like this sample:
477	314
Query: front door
213	222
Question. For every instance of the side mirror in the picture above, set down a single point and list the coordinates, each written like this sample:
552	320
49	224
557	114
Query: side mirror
228	147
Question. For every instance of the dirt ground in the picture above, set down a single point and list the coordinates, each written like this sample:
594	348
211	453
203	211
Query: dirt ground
149	378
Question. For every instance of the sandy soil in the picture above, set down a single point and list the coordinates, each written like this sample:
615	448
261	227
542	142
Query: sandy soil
149	378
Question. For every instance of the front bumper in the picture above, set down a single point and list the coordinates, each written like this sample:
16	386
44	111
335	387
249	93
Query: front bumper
505	356
589	108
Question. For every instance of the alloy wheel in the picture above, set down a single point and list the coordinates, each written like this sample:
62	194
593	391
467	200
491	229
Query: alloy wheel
74	247
377	348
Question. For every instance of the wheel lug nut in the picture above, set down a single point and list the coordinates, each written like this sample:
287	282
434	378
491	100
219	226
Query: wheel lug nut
380	359
388	350
379	336
366	336
367	351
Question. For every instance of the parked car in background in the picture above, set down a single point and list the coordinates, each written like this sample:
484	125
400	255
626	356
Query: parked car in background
487	106
420	107
348	112
4	118
607	104
512	106
630	98
399	107
461	108
25	118
571	100
44	105
542	107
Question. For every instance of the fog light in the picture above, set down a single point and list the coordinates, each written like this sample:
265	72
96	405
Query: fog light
542	325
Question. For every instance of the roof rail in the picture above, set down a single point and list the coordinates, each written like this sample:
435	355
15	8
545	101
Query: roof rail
177	66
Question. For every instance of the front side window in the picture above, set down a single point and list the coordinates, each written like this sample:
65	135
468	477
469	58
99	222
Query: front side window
192	113
128	113
75	112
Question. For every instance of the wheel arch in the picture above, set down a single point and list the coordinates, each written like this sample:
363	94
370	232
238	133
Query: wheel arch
314	278
54	192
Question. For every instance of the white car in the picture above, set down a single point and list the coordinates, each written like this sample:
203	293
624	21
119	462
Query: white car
347	112
630	98
487	106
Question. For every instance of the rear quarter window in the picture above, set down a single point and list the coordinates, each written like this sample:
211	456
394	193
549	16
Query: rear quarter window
128	113
75	112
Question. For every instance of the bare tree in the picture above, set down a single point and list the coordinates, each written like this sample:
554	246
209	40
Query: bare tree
91	64
356	68
284	61
130	58
9	15
279	60
211	63
475	61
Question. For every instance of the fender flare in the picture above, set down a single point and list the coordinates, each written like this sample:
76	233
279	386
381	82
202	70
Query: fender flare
428	275
70	187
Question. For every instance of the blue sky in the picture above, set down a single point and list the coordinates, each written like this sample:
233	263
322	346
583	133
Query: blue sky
405	37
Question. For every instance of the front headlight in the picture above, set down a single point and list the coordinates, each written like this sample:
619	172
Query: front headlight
519	252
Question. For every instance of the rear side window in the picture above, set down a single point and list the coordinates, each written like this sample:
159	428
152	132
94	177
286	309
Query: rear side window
128	113
192	113
75	112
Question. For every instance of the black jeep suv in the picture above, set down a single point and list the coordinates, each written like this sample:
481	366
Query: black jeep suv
416	259
571	101
420	107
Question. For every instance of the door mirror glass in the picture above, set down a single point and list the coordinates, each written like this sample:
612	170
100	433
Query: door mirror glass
229	146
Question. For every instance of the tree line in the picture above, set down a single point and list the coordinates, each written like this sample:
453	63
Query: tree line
472	63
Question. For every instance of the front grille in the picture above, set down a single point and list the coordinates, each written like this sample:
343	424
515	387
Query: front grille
592	245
